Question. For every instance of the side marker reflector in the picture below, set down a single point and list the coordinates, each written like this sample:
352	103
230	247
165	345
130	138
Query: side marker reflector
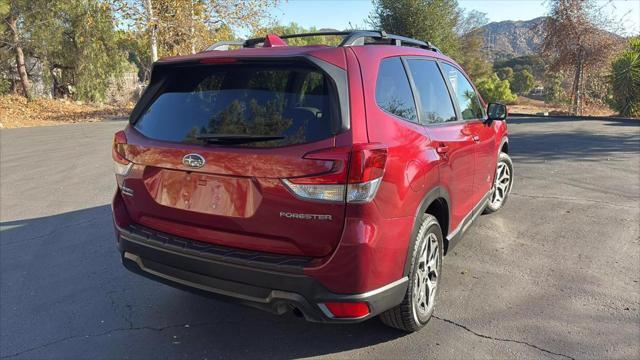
347	310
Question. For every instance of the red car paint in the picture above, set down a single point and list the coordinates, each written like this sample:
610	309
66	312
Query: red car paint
236	198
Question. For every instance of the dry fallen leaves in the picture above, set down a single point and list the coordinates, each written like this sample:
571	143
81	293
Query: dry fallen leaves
16	112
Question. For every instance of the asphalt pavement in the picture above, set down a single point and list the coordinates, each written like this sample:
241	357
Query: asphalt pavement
554	274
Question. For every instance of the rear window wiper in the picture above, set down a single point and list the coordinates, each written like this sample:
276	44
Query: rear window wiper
236	139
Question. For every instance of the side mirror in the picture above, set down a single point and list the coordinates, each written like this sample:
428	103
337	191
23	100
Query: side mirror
496	111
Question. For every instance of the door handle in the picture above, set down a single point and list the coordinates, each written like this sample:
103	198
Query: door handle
476	138
442	149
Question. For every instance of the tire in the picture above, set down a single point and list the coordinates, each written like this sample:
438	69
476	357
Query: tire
500	194
410	315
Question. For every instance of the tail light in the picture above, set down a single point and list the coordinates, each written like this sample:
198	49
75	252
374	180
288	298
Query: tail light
365	173
344	310
324	192
121	164
355	177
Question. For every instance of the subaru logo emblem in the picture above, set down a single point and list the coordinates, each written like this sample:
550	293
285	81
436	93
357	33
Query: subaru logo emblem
193	161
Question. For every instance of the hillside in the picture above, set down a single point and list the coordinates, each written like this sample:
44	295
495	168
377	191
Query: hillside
507	39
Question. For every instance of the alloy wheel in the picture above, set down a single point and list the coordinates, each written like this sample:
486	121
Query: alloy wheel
426	278
501	185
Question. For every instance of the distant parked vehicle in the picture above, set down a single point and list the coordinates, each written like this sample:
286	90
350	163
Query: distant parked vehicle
328	181
537	91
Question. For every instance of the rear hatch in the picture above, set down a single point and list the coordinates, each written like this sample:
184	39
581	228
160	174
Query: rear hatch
215	145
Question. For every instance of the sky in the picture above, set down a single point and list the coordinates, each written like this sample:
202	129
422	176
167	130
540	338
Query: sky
338	14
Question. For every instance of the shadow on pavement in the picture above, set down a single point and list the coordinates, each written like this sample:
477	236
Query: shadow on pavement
536	147
64	285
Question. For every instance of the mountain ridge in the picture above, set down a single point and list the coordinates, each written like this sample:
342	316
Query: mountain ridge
513	38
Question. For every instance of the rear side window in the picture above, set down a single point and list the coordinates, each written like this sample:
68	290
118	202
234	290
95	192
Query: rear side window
393	92
293	102
435	102
468	100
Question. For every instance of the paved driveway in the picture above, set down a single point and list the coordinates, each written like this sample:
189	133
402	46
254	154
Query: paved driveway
554	274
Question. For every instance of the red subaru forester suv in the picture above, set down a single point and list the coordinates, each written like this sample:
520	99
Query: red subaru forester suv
324	180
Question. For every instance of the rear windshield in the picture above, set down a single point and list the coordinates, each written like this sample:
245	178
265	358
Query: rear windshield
292	102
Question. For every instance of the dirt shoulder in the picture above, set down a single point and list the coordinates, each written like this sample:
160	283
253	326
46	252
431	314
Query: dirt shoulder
16	111
528	106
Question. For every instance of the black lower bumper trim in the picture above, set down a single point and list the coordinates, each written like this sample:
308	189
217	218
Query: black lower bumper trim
266	289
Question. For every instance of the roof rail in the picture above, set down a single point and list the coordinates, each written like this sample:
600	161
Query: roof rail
350	38
224	45
359	38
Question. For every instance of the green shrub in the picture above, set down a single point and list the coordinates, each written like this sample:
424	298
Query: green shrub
553	92
522	82
493	89
505	73
625	81
5	86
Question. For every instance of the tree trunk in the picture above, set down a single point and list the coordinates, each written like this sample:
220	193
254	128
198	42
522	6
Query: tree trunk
154	44
151	20
192	30
54	83
21	67
576	108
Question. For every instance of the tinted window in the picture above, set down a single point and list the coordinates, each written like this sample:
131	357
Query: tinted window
436	105
468	100
290	100
393	92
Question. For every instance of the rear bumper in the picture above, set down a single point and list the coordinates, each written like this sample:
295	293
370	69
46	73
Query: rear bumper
269	282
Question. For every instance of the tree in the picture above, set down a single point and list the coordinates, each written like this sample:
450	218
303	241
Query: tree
135	45
5	53
625	80
440	22
76	42
522	82
295	28
493	89
152	26
534	63
12	14
428	20
553	92
472	56
71	44
573	42
176	27
97	57
505	73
